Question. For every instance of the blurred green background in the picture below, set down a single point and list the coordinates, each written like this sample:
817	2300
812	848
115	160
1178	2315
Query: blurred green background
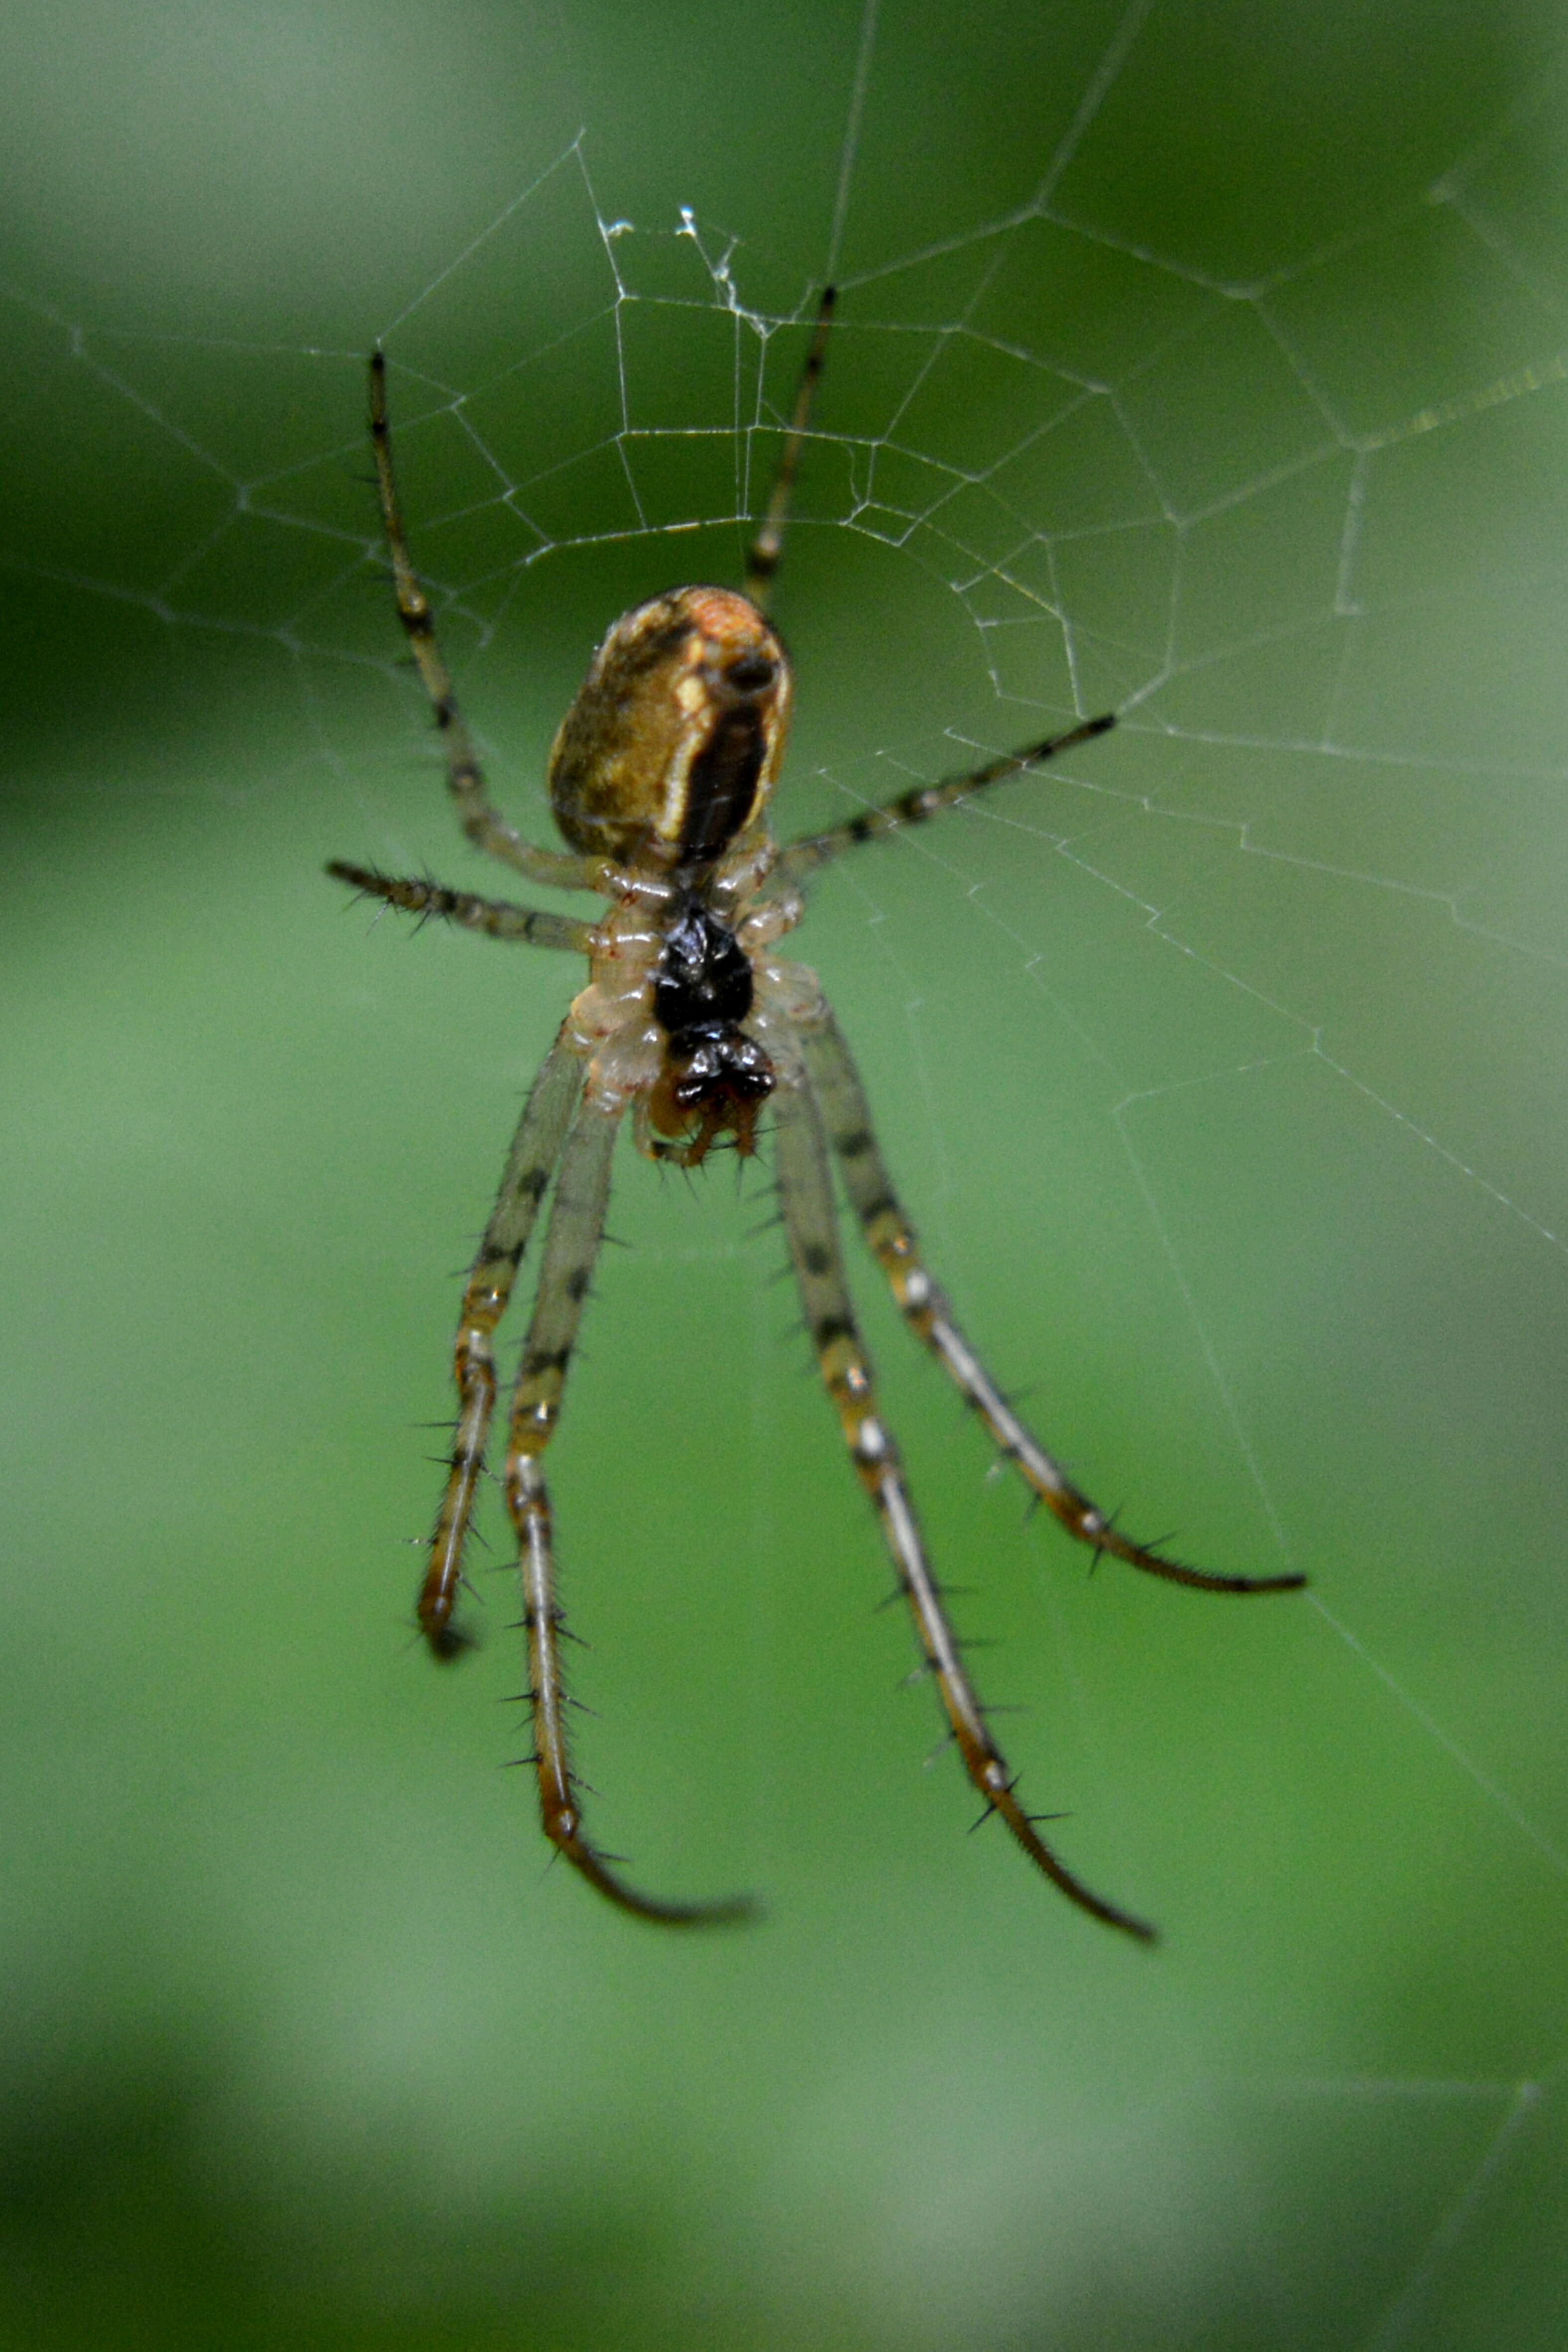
1208	363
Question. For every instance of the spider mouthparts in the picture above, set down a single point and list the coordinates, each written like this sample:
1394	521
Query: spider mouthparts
714	1082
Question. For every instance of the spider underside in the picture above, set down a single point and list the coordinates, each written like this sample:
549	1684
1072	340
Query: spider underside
660	778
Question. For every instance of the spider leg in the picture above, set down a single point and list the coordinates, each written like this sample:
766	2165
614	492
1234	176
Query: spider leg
804	855
483	824
536	1148
572	1245
767	547
806	1195
496	917
891	1238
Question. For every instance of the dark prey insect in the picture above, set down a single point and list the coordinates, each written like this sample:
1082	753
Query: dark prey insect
660	779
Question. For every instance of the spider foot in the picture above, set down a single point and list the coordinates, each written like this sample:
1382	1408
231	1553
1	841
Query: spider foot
596	1867
448	1642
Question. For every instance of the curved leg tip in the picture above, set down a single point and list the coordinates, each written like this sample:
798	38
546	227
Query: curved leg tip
732	1911
448	1642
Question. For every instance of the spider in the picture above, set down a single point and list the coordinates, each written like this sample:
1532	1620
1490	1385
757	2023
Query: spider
660	779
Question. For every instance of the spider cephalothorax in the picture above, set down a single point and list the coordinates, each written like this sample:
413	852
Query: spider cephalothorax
660	779
715	1078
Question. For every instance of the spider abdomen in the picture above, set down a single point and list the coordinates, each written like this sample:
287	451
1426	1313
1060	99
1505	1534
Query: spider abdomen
673	744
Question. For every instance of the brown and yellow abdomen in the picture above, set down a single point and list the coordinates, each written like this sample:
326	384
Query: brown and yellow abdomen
672	746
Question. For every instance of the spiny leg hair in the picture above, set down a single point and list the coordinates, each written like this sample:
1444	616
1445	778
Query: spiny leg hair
497	918
806	1198
890	1239
536	1148
483	824
571	1246
812	850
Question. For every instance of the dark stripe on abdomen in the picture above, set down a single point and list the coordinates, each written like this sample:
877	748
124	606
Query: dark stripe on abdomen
721	784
